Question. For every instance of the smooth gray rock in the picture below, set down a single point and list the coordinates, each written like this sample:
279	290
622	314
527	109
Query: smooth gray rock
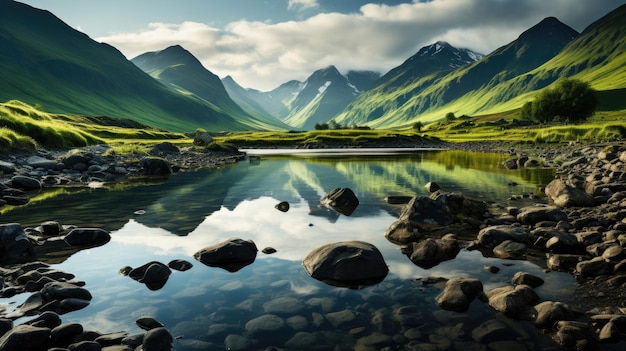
520	278
24	182
342	200
347	263
512	301
534	214
563	194
494	235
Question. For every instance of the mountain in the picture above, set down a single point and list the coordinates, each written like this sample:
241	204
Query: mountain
395	90
45	62
178	69
597	56
304	104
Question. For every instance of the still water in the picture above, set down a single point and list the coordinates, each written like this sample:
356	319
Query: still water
208	308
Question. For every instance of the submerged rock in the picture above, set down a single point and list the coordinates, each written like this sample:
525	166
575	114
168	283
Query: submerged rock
15	247
458	293
352	264
342	200
430	252
231	255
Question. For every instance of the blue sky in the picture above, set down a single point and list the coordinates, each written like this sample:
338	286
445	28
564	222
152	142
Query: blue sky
264	43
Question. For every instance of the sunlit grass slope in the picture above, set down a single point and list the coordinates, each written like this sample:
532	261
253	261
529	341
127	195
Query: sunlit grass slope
43	61
25	127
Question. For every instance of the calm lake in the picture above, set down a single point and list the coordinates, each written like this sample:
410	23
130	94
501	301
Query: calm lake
209	308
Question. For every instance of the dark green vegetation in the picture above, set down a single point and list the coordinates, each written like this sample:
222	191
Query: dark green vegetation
569	101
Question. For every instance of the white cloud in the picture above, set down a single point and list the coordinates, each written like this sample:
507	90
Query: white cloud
302	4
380	37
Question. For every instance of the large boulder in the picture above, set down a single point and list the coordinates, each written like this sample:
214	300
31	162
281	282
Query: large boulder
461	206
513	301
563	194
534	214
342	200
418	215
458	293
352	264
430	252
231	255
15	247
156	166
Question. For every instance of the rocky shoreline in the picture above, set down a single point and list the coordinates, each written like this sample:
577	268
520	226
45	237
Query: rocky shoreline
582	230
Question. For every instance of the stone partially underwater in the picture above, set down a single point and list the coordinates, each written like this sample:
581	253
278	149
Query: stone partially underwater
351	264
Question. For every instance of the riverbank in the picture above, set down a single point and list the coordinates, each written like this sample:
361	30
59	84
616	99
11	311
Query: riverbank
597	223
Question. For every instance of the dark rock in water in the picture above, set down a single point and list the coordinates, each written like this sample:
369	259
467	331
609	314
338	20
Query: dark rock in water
461	206
180	265
15	247
282	206
154	274
430	252
25	337
155	166
421	213
268	250
510	249
24	182
398	199
342	200
157	339
63	290
50	228
458	293
148	323
352	264
231	255
87	237
527	279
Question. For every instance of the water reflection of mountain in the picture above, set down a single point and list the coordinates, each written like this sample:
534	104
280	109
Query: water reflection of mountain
185	199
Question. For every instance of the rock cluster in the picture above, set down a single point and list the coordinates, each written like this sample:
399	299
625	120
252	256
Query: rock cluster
92	166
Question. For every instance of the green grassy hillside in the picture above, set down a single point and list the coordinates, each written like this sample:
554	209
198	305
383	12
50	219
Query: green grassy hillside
43	61
507	78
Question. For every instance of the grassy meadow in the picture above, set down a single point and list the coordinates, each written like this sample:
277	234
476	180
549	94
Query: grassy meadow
24	128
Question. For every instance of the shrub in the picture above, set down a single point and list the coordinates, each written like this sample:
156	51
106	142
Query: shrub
570	100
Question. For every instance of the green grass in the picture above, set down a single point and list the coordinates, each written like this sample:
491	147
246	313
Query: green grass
25	127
